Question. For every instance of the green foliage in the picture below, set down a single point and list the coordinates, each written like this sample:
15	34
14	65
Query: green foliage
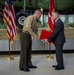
19	30
3	26
42	25
60	5
68	24
71	24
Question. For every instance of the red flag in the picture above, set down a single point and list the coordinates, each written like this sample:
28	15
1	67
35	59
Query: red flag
44	33
9	19
50	21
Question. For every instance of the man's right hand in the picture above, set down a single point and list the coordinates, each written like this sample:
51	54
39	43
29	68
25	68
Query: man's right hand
44	40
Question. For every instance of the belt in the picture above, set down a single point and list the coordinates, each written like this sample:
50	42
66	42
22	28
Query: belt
26	32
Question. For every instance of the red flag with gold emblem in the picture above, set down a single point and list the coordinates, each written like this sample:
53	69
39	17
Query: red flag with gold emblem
50	21
44	33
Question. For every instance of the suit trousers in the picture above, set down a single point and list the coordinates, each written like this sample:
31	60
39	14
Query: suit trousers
25	53
59	55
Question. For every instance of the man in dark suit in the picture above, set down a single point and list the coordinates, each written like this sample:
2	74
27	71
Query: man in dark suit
58	38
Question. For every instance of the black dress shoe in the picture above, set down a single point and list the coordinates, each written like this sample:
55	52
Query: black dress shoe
54	66
21	69
59	68
25	69
32	66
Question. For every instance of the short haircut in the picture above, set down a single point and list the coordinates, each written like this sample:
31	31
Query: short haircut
38	10
56	12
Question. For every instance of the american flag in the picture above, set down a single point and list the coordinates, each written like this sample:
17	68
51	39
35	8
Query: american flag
9	19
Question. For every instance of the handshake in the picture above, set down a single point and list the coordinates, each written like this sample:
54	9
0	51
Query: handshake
44	40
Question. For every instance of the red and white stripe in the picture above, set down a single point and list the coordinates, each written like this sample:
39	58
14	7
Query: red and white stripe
9	18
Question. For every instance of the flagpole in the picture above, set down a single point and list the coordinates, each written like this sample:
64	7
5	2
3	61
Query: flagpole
49	57
9	58
51	25
9	19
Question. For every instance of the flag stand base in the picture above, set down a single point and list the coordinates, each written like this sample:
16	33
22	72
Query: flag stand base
49	57
9	58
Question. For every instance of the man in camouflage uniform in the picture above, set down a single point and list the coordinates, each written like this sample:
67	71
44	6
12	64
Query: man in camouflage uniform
29	33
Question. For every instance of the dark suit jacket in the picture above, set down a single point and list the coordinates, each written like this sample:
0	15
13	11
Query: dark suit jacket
58	36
